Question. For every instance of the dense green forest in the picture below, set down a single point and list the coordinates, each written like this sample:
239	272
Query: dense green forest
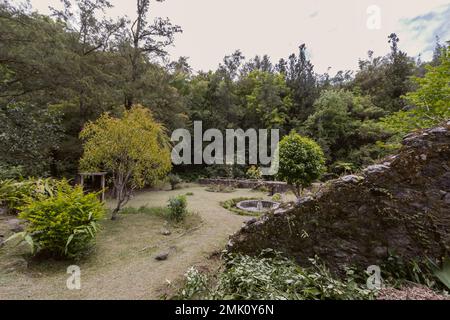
58	72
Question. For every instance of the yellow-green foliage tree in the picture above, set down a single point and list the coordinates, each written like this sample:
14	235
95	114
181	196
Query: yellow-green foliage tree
134	148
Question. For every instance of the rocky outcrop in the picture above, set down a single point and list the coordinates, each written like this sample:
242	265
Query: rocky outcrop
400	206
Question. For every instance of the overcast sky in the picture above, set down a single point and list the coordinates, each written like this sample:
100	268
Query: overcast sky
335	31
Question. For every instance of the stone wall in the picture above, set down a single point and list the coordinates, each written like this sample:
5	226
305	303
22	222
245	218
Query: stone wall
400	206
273	186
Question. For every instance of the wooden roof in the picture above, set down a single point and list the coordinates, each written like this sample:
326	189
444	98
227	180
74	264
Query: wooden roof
93	173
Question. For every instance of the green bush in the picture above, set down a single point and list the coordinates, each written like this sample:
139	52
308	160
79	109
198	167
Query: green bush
195	285
254	173
275	277
270	276
277	197
16	194
64	224
301	162
177	208
174	180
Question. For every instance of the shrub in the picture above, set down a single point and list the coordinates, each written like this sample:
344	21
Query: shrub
154	211
301	161
277	197
234	171
270	276
11	172
254	173
196	283
174	180
15	194
64	224
177	208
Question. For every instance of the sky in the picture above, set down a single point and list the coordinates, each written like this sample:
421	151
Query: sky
336	32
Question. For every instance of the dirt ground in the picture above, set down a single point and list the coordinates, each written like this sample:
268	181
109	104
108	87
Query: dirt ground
123	265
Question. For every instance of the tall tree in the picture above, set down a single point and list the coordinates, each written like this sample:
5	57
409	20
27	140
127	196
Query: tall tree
89	33
143	41
134	148
300	77
386	78
266	100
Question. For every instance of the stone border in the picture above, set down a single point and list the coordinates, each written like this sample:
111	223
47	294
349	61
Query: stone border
273	205
273	186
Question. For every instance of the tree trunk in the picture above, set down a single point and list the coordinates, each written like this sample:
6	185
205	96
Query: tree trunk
119	185
297	190
123	195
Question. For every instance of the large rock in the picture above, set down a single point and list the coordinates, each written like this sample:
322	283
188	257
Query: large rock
400	206
15	225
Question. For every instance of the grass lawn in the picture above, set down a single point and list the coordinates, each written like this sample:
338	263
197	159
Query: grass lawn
123	265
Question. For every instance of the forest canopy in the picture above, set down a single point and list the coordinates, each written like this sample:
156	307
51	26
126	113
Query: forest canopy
61	71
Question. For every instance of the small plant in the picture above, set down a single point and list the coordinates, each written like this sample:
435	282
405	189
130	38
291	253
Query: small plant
189	194
277	197
177	208
196	283
443	274
254	173
341	167
64	224
174	180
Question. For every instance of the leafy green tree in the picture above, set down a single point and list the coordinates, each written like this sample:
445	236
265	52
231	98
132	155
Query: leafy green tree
258	63
386	78
301	79
213	99
88	36
34	62
301	162
134	148
28	138
430	102
343	122
141	41
266	100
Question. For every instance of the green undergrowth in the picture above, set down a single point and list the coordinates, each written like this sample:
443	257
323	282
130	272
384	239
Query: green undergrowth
271	276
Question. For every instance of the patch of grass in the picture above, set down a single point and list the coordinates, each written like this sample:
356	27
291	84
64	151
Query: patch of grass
189	194
154	211
190	220
231	206
220	188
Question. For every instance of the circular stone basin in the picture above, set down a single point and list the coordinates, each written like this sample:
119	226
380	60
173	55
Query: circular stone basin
258	205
